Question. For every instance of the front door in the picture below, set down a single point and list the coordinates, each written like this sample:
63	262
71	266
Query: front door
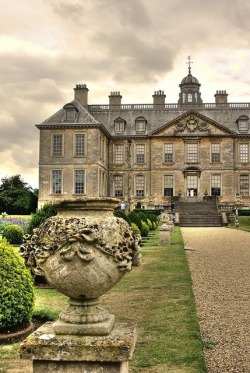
192	186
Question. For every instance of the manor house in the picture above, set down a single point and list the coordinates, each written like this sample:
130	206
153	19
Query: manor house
151	153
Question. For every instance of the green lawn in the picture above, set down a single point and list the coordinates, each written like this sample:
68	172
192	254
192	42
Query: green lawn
244	223
158	297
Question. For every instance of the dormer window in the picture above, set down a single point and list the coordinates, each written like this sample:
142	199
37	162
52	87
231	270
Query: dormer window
140	125
120	125
243	123
70	112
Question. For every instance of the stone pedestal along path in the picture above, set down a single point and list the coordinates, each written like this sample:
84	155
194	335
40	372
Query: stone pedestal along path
219	260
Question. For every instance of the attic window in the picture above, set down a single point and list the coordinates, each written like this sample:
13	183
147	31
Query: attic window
70	112
140	125
119	125
243	123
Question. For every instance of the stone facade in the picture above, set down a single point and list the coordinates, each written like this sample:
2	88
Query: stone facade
148	152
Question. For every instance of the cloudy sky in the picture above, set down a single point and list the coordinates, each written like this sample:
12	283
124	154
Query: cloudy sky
131	46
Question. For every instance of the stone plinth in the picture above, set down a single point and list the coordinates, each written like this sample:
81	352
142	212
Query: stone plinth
72	353
164	235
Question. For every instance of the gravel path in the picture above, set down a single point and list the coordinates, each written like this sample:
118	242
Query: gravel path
219	260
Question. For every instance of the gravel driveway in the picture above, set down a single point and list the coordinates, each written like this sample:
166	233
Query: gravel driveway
219	260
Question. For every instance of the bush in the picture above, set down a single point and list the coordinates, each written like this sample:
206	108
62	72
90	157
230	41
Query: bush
3	226
135	228
134	218
121	214
142	216
45	212
13	234
16	290
144	229
150	225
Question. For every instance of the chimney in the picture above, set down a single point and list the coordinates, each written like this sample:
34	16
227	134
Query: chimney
115	99
159	100
221	97
81	94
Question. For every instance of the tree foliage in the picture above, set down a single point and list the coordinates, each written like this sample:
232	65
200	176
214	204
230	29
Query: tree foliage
17	197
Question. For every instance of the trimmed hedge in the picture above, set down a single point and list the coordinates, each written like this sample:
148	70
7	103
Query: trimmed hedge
45	212
13	234
16	290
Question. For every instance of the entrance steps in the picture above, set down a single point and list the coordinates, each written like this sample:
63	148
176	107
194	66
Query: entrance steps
198	214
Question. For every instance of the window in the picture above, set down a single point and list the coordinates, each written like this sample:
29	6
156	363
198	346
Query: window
243	123
79	145
168	186
70	115
244	156
244	185
168	153
140	153
57	145
192	153
139	186
119	125
79	181
140	125
215	185
118	154
215	153
56	181
190	97
118	186
192	185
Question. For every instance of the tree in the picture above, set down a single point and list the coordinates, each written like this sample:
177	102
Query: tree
16	196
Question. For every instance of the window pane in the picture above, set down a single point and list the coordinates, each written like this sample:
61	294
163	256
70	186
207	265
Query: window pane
244	153
57	182
192	153
244	185
119	126
70	114
168	185
140	126
168	153
215	152
118	154
79	145
79	181
139	186
140	153
215	185
57	145
118	188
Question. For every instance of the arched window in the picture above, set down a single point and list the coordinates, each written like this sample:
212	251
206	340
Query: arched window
70	112
243	123
119	124
190	97
140	125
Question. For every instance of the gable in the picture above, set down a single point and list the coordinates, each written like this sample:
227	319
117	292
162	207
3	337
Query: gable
191	123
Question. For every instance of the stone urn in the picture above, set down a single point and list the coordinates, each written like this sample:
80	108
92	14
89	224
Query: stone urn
83	252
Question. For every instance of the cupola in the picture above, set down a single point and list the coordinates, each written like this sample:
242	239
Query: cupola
190	89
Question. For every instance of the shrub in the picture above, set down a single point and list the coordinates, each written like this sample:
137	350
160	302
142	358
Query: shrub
144	229
154	225
121	214
134	218
13	234
135	228
16	290
45	212
3	225
150	225
142	216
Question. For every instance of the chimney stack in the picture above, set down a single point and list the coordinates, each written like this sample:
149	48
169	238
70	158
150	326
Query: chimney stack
221	97
159	100
81	94
115	99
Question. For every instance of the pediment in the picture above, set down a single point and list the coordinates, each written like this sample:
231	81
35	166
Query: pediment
191	123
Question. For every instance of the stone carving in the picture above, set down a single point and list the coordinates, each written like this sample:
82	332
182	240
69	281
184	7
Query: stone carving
83	252
192	124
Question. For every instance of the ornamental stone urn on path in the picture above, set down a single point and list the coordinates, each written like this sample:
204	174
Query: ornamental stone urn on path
83	252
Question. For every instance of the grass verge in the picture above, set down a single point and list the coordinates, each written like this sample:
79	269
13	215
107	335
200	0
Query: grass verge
158	297
244	223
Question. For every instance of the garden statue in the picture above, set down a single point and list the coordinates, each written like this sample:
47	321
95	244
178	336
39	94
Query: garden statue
83	252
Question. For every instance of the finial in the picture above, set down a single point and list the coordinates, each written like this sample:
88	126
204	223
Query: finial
189	64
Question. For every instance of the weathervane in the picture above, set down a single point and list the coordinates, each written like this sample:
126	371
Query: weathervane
189	64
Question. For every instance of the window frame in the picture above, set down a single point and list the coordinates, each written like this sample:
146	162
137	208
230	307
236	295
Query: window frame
117	185
140	153
215	189
118	156
54	182
119	125
83	154
168	186
244	156
166	154
138	183
83	181
54	152
241	189
140	125
215	154
189	155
